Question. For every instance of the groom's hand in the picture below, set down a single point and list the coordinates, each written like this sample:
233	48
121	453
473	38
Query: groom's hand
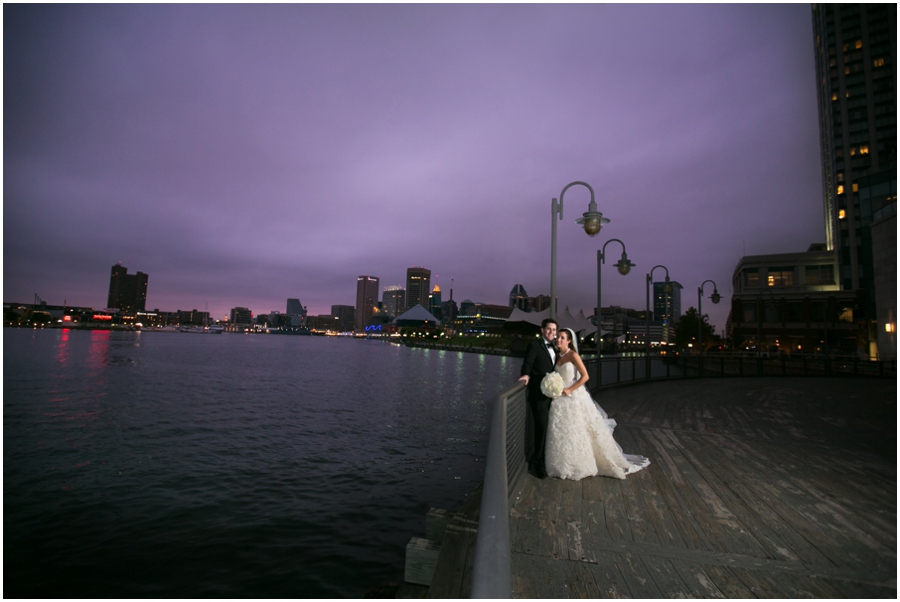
524	379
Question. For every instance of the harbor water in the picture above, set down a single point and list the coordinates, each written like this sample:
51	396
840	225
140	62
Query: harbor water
145	464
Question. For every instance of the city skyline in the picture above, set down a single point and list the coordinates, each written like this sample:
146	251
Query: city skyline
243	155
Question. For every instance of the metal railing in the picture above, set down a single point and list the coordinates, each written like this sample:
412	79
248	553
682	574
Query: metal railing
630	369
504	470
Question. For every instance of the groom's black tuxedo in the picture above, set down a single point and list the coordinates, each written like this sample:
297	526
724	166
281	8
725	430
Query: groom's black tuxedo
538	362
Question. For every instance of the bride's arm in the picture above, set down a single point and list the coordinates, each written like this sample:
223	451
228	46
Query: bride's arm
579	365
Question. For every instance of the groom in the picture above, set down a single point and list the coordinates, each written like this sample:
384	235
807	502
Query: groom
540	357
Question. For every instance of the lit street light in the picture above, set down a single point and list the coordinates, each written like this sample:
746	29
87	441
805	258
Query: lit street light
592	221
715	299
624	266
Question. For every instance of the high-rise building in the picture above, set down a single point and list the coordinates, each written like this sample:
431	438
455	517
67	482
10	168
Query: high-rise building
294	308
856	77
418	285
434	302
393	300
366	300
127	291
667	305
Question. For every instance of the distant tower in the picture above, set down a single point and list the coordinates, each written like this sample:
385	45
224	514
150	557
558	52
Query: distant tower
434	302
127	291
366	300
418	283
518	297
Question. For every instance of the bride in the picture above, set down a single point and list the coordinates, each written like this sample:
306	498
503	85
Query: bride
580	434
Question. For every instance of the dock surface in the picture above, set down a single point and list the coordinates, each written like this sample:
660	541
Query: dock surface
758	487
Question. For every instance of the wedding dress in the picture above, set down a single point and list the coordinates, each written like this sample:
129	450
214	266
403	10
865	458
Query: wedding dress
580	437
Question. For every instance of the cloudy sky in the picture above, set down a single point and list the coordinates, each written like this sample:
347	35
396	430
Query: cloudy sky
244	154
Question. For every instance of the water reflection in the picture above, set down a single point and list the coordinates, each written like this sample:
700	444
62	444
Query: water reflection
62	350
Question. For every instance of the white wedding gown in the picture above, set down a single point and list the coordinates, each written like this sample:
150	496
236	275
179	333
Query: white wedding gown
580	437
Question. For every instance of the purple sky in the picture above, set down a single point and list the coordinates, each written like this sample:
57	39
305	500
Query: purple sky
244	154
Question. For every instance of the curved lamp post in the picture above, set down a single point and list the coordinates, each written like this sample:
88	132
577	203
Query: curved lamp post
666	289
715	299
624	266
592	221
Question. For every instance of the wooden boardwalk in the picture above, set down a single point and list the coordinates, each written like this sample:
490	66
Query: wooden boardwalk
762	487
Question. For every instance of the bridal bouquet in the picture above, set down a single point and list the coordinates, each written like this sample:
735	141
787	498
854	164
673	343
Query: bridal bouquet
552	385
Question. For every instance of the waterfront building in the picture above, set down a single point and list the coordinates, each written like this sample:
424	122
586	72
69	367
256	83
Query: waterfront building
240	317
417	317
127	291
434	302
792	302
481	318
322	323
856	78
366	300
345	317
393	300
418	283
192	318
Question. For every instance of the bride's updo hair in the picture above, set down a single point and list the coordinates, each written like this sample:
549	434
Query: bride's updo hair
573	340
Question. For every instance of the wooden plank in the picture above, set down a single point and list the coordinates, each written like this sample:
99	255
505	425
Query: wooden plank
665	474
640	581
698	582
578	581
731	533
453	570
665	576
536	576
684	478
652	500
727	582
756	517
421	559
607	577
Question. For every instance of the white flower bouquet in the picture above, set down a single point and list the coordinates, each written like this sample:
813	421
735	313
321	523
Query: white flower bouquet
552	385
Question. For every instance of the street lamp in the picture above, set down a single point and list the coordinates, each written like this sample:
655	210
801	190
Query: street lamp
667	288
624	266
715	299
592	221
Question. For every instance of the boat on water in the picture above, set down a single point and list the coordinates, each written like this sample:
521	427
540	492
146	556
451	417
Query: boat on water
214	329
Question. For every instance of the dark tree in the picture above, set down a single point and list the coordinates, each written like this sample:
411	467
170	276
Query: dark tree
686	330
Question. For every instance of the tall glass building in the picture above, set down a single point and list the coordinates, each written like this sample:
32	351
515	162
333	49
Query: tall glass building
418	286
856	78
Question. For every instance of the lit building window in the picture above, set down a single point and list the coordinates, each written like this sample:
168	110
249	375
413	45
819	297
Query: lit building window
853	152
889	328
859	43
863	150
840	189
834	96
879	62
842	214
856	186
